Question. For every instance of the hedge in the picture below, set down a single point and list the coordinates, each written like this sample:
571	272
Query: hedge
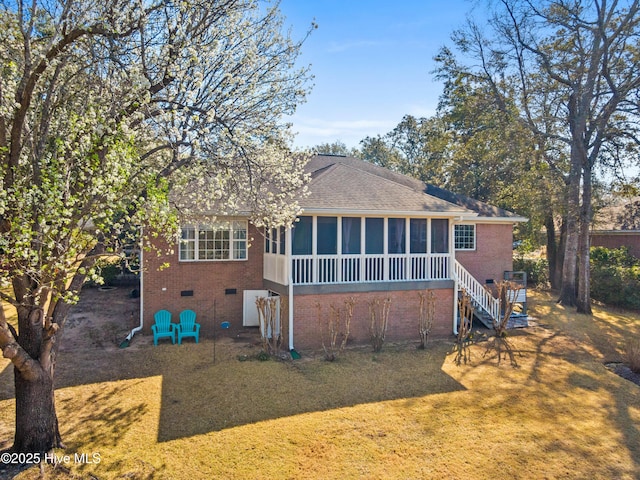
537	270
615	277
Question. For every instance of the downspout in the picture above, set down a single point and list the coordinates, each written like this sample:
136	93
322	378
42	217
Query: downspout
292	350
125	343
455	303
290	280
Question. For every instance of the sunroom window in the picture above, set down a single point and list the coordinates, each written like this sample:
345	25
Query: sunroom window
327	235
418	235
374	236
439	235
275	240
396	235
220	241
302	239
350	235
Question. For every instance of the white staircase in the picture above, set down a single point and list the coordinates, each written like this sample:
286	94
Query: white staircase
487	308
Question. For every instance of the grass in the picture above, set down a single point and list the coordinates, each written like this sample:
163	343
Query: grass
170	412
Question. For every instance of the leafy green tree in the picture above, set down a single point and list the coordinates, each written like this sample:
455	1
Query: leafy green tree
105	108
336	148
379	151
629	218
495	158
415	147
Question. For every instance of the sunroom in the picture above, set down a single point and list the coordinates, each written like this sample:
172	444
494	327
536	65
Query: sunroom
347	249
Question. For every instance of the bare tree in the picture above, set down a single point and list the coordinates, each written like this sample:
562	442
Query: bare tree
572	67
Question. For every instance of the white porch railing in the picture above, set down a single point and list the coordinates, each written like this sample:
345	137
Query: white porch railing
329	269
480	295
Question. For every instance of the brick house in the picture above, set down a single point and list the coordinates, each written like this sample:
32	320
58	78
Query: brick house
364	232
618	225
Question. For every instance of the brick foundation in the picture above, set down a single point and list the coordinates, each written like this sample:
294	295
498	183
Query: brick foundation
403	316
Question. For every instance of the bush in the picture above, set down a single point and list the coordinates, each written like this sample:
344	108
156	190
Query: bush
615	277
537	270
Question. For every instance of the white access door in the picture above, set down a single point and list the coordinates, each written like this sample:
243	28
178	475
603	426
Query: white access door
249	310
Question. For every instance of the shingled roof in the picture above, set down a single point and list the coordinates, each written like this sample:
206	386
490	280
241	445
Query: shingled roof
341	183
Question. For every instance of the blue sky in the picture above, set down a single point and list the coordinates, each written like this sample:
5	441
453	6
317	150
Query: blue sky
372	61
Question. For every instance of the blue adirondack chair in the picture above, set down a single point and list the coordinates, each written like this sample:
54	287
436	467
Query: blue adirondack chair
188	326
163	327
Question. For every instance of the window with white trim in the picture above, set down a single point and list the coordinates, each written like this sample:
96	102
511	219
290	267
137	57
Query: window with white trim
275	240
225	240
465	237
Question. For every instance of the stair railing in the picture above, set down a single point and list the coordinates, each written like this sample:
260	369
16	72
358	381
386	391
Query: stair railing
480	295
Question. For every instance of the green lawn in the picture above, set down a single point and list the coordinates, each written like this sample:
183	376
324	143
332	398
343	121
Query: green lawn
170	412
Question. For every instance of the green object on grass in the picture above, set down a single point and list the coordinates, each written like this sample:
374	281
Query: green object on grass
294	355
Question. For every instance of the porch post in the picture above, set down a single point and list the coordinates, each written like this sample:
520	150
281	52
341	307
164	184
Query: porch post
452	273
363	249
429	252
452	246
314	249
408	270
385	248
339	249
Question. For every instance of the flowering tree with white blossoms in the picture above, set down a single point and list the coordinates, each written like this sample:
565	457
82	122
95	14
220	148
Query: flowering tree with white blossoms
105	107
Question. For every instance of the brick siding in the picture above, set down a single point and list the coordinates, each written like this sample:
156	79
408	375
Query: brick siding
403	316
631	240
208	280
493	254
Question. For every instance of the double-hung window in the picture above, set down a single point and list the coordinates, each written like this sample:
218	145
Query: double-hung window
224	240
465	237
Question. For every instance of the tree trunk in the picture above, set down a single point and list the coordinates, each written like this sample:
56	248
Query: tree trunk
33	352
562	243
36	420
552	249
568	289
583	301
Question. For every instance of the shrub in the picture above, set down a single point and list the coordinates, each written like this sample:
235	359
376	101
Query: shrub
426	315
334	325
107	270
537	270
615	277
379	316
269	315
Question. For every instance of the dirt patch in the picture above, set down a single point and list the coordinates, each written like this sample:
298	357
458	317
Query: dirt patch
101	319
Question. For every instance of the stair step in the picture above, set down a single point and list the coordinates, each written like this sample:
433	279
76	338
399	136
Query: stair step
515	321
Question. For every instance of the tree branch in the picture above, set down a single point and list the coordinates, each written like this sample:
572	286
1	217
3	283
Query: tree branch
28	367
